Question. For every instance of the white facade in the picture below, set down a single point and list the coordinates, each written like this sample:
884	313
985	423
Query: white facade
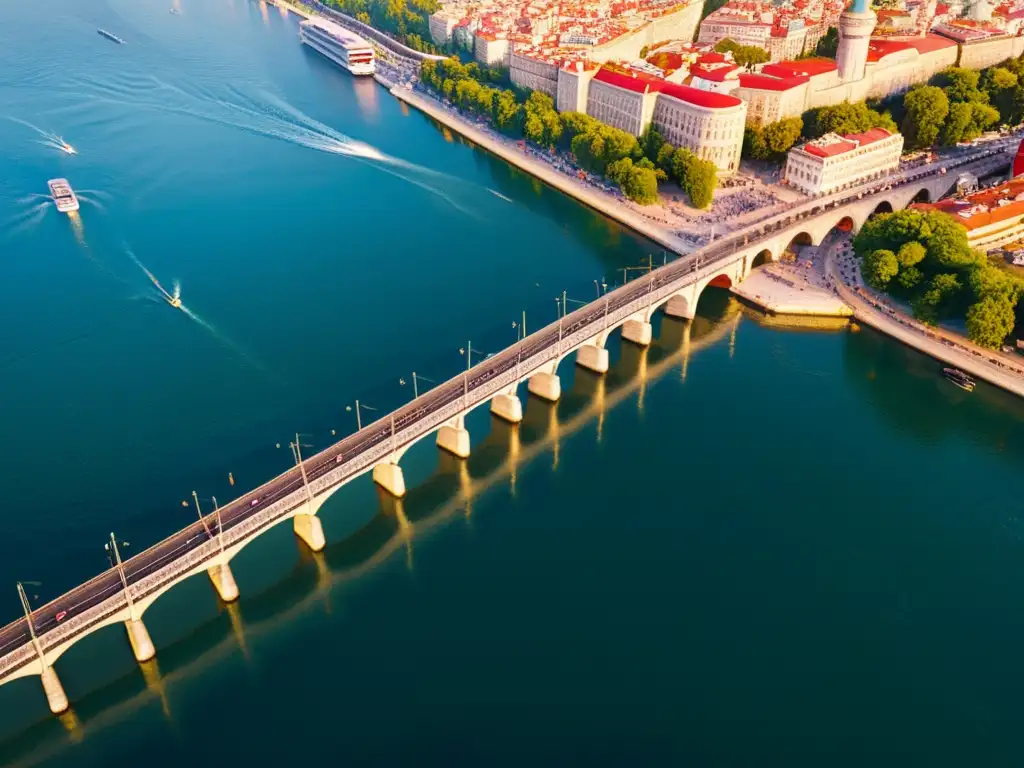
491	51
833	162
527	71
574	87
711	133
630	111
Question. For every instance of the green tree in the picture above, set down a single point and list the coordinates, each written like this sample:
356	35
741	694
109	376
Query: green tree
697	177
909	278
879	268
651	143
665	156
961	84
911	254
926	107
849	118
936	302
743	55
990	321
957	124
828	45
780	137
754	145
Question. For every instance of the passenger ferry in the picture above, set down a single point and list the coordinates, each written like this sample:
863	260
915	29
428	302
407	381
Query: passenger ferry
339	45
63	195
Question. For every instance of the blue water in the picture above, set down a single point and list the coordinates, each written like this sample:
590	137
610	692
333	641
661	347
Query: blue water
783	548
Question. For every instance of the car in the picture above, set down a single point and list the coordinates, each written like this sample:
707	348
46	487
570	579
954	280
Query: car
60	615
254	502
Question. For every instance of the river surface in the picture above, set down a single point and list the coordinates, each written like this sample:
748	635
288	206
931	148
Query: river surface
747	545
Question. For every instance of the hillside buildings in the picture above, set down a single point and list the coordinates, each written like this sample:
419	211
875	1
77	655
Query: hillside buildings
832	163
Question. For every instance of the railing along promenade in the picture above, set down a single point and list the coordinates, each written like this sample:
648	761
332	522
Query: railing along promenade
208	544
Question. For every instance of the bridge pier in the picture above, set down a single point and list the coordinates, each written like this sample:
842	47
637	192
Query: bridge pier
223	581
546	386
507	407
454	439
310	530
390	478
638	332
55	696
138	637
593	358
678	306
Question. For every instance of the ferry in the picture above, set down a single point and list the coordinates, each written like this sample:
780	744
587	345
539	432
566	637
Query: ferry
344	48
111	36
63	195
959	378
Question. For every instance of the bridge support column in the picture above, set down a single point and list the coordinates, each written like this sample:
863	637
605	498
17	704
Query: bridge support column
55	696
390	478
593	358
546	386
224	582
678	306
507	407
454	439
310	530
638	332
138	637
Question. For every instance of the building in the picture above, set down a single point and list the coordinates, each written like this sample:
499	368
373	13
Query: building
783	31
709	124
833	162
992	217
532	68
574	85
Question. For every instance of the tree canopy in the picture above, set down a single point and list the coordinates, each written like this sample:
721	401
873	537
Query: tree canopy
772	141
847	118
743	55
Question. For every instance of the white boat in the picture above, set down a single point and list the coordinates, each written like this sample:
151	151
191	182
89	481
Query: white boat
339	45
63	195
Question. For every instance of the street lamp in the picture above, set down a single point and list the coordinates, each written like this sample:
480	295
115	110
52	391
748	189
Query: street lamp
297	447
114	556
359	421
28	615
220	524
415	385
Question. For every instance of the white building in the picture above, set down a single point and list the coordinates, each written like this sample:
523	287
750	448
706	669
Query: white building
834	162
708	123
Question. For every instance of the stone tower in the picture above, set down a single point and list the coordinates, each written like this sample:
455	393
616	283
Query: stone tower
855	27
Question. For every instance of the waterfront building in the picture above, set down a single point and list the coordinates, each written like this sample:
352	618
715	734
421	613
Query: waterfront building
491	48
441	26
574	85
530	67
832	162
992	217
623	100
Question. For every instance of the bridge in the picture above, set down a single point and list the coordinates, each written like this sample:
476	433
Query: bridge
121	595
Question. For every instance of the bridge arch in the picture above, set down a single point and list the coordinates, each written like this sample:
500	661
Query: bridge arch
846	224
883	207
923	195
800	239
765	256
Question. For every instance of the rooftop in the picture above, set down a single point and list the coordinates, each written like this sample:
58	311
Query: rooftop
641	83
831	144
983	208
804	67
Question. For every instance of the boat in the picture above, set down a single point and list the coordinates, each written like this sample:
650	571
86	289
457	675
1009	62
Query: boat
175	11
344	48
68	148
63	195
958	377
111	36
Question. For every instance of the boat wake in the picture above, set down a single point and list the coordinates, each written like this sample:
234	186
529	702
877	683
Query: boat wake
29	218
173	298
47	138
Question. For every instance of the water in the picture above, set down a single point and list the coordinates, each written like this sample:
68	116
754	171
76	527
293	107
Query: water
747	546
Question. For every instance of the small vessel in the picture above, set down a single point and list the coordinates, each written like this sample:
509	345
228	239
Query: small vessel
68	148
63	195
175	301
111	36
175	11
958	377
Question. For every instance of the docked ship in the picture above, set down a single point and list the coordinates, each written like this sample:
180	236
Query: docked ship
959	378
111	36
63	195
339	45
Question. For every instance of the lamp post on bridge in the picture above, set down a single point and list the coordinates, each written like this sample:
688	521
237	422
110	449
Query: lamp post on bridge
297	447
415	385
114	556
220	524
359	421
28	616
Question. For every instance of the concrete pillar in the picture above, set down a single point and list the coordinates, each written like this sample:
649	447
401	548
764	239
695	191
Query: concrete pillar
390	478
678	306
546	386
224	582
138	636
55	696
454	439
507	407
638	332
310	530
593	358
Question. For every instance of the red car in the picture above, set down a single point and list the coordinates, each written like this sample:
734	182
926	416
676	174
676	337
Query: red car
60	615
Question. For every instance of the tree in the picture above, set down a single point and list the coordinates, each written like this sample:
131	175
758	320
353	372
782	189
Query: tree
910	255
926	107
743	55
880	267
828	45
961	84
697	177
781	136
848	118
936	301
754	145
990	321
664	158
651	143
909	278
957	123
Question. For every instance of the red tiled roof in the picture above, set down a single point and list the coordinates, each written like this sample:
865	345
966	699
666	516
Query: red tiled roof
847	143
641	83
708	99
807	67
877	49
711	57
924	44
765	83
869	136
716	74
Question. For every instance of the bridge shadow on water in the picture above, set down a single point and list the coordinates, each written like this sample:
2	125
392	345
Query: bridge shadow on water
281	581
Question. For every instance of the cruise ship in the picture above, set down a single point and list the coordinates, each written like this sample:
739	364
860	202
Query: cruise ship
339	45
63	195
